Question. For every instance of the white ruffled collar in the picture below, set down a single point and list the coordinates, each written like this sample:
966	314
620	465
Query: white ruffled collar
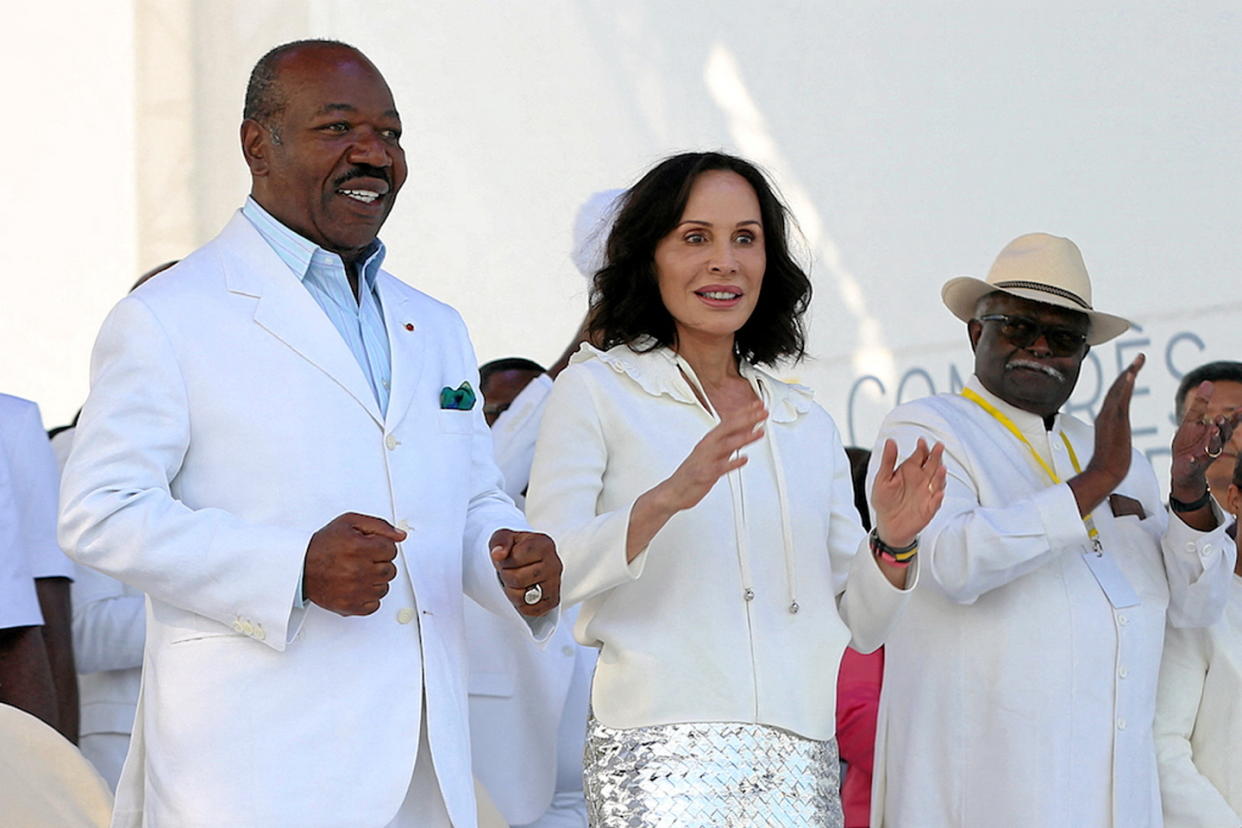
656	372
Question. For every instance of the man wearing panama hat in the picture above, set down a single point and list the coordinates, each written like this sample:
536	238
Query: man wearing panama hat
1020	682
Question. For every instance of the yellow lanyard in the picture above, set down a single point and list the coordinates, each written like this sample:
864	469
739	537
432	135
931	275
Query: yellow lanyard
1000	417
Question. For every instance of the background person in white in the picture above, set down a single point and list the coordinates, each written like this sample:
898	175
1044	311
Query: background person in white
36	645
300	668
1019	686
526	699
1199	710
546	689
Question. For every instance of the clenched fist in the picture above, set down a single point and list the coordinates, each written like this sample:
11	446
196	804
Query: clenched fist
349	563
524	560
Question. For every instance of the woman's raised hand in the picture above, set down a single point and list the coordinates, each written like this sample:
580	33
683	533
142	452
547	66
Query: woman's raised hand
713	457
906	497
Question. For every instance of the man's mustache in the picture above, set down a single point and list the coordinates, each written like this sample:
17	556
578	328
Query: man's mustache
1035	366
363	171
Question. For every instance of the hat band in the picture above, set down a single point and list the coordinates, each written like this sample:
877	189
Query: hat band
1040	286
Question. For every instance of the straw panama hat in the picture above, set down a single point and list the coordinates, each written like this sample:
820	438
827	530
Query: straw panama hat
1041	268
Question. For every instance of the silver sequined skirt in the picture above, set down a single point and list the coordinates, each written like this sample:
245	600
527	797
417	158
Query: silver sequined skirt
709	775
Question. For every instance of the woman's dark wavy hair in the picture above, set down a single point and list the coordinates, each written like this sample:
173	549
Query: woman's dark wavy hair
625	299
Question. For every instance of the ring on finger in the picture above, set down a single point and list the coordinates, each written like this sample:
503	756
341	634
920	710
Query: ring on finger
533	595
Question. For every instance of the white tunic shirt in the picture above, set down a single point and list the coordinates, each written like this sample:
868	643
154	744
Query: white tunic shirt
1015	694
1199	722
679	639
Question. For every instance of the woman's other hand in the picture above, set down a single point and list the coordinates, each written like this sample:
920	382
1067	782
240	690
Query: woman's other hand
905	497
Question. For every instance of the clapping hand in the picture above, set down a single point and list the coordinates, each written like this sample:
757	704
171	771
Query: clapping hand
1199	440
1110	459
905	497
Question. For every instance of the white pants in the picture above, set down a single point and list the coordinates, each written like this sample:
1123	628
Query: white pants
424	804
107	753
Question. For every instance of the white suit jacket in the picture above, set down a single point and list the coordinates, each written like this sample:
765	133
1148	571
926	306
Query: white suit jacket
227	422
109	628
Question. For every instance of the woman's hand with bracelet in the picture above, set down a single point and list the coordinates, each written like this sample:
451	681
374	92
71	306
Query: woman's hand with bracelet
905	497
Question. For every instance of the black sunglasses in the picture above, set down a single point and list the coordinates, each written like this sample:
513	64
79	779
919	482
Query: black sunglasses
1023	331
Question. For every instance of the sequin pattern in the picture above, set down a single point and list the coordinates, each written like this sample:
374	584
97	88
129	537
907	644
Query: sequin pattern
710	775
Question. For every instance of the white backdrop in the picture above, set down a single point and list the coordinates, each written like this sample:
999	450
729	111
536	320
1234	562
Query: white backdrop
912	141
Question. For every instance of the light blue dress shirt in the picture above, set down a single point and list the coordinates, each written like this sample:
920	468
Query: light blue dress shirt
360	321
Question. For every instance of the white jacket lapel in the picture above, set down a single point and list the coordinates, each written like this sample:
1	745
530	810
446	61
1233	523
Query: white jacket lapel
287	310
408	345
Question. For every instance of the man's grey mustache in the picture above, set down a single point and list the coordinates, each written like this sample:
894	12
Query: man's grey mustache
1035	366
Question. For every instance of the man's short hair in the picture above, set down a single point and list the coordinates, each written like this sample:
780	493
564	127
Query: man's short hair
264	97
1221	370
507	364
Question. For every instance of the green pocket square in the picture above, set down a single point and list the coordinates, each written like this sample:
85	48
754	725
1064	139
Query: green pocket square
460	399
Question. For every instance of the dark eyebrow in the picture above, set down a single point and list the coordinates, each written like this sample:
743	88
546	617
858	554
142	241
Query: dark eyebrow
702	223
344	107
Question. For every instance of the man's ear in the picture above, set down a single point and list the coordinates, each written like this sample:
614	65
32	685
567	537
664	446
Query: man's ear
256	146
1232	500
974	329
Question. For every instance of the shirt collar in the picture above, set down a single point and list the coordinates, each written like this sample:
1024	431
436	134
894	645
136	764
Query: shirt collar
1026	422
656	372
300	253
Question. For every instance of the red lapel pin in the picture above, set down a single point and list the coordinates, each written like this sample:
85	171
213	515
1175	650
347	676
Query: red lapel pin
409	326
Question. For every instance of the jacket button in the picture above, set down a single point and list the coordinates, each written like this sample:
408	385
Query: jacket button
403	525
391	442
237	625
749	595
259	634
405	615
248	628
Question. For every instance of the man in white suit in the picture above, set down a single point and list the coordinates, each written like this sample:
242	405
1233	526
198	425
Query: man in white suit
282	448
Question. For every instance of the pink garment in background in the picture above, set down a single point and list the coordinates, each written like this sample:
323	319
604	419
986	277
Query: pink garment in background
858	702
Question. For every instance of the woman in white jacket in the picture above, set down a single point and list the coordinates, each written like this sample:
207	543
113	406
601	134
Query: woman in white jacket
713	579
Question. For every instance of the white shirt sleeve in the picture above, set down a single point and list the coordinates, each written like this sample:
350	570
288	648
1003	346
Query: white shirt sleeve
19	605
35	480
969	549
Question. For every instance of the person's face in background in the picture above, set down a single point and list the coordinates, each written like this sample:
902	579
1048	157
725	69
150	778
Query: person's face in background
501	389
